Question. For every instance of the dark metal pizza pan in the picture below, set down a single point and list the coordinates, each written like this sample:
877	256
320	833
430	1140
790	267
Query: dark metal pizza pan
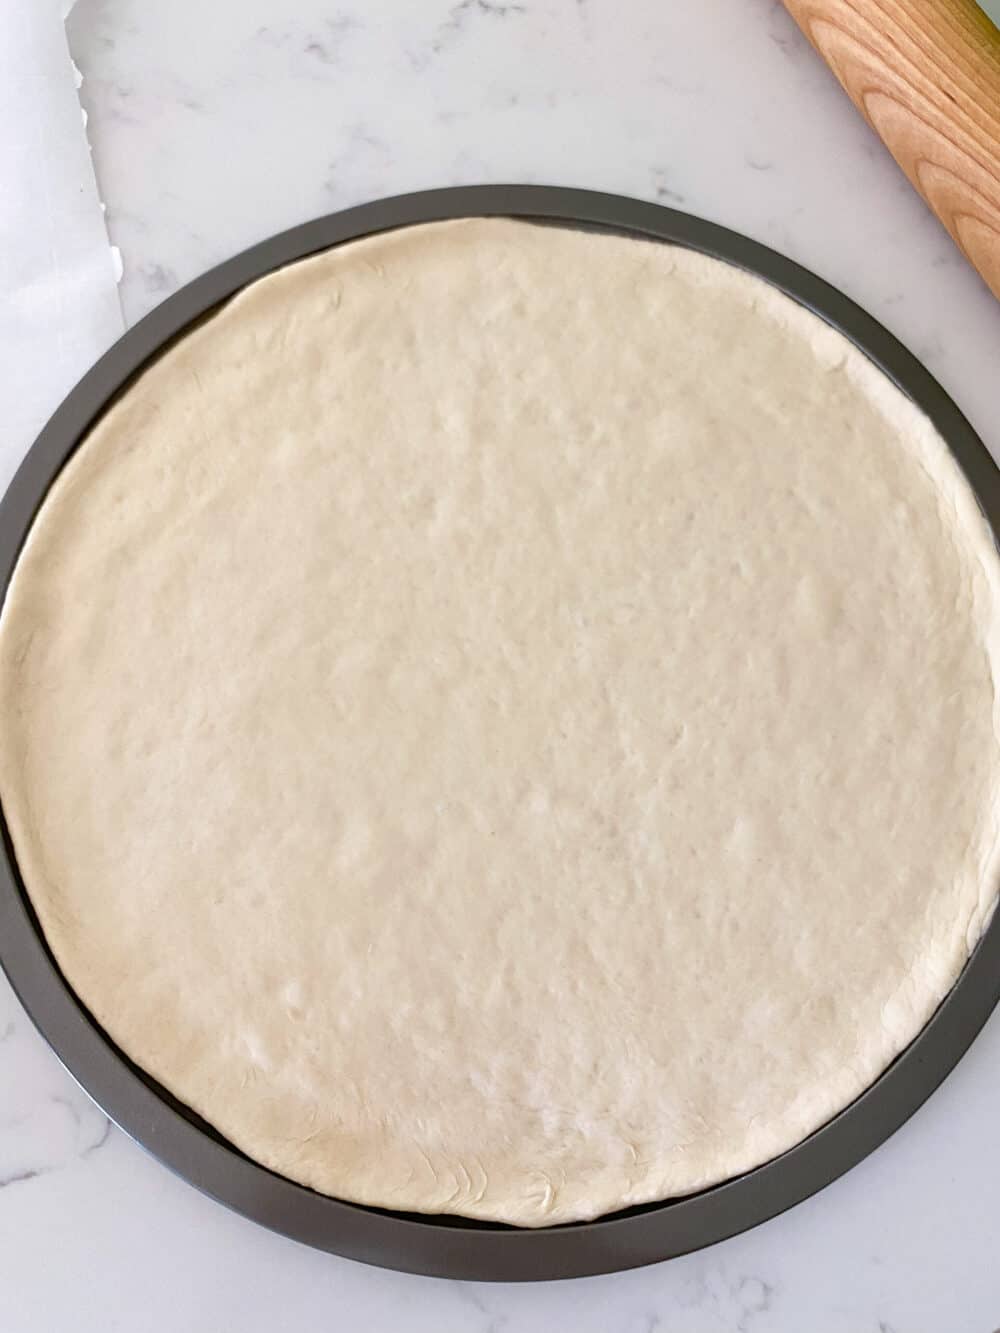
444	1246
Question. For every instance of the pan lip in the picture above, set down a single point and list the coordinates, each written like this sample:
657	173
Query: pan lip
457	1247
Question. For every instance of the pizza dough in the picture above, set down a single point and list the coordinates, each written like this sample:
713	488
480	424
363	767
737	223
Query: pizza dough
500	720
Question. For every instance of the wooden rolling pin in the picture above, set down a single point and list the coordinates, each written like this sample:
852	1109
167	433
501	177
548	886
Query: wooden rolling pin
925	74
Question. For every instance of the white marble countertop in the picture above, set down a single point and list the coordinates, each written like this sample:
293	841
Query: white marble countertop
213	125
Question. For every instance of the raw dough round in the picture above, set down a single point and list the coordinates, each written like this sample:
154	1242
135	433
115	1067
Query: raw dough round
500	720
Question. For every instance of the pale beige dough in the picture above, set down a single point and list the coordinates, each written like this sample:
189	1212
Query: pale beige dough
500	720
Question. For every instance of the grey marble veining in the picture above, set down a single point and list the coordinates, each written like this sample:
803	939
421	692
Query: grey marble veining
216	124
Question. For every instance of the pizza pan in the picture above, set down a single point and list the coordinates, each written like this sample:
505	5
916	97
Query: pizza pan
447	1246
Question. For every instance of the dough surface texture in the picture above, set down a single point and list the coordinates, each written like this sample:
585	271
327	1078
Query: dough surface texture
501	720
